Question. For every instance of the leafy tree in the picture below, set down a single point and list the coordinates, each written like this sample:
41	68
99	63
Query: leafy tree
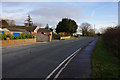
85	28
51	29
67	25
29	21
99	34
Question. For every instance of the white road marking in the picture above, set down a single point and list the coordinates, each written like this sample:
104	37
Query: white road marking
62	64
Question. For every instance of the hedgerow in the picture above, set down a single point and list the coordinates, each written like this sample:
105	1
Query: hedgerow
112	39
12	37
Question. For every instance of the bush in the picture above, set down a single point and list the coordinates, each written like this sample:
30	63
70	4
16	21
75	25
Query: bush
17	37
0	36
112	39
23	36
56	36
27	35
4	36
55	33
11	36
20	37
31	35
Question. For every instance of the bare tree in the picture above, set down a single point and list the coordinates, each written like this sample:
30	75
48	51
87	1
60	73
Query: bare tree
91	32
38	24
84	28
10	22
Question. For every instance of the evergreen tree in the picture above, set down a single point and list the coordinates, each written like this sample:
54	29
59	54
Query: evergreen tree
67	25
47	27
29	21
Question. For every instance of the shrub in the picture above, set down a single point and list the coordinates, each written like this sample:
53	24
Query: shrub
17	37
27	35
11	36
112	39
55	33
0	36
20	37
31	35
23	36
4	36
55	36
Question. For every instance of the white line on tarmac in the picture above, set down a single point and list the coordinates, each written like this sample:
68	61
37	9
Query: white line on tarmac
62	67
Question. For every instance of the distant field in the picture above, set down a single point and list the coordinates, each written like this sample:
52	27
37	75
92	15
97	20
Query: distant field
104	63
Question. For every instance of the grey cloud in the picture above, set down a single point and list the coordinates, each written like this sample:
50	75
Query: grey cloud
44	13
12	4
51	13
13	11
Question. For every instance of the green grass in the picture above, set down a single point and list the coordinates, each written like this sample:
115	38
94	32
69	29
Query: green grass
72	37
104	63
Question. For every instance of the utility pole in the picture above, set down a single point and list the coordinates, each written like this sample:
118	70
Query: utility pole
94	27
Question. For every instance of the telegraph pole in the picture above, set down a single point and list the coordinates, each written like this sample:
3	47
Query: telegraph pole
94	28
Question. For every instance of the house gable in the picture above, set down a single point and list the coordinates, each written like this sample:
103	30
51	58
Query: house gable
36	30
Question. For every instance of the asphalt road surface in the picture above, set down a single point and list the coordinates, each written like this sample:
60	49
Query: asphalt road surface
38	60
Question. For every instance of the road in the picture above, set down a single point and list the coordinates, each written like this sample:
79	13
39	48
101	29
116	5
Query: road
38	60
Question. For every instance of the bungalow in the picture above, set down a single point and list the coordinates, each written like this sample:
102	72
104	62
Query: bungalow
46	32
17	30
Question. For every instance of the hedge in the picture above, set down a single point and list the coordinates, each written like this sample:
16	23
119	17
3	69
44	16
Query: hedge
4	36
112	39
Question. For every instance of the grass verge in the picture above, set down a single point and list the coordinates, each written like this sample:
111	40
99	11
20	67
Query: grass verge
72	37
104	63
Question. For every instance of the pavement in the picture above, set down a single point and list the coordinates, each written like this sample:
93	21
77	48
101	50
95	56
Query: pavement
38	60
80	66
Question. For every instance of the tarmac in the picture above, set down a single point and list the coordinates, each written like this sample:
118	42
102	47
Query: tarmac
80	66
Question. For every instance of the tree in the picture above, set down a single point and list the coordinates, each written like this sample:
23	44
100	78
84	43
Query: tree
8	22
67	25
4	22
85	28
51	29
47	27
11	22
91	32
29	22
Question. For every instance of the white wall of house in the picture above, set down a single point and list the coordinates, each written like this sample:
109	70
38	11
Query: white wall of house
4	29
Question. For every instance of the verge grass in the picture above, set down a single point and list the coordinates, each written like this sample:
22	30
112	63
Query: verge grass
104	63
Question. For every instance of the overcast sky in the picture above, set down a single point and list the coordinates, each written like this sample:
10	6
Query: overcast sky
102	14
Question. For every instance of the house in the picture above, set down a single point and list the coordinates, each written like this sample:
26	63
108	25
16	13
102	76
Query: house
17	30
46	32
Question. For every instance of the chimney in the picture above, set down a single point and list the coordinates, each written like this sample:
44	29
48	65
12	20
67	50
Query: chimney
27	25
